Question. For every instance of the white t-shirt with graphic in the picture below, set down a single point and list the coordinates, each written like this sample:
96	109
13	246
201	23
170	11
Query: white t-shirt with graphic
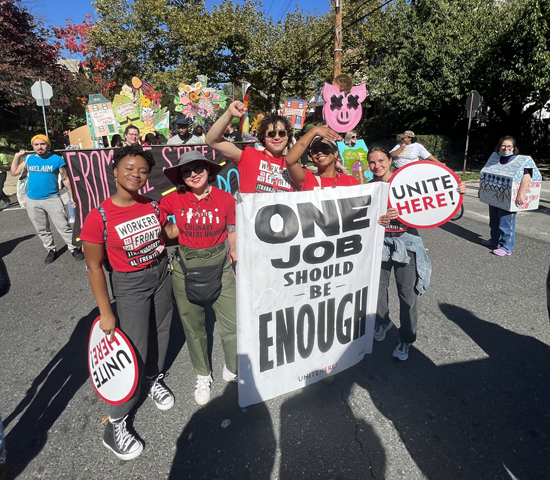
411	153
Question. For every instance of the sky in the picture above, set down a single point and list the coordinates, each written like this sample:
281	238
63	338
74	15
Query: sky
54	12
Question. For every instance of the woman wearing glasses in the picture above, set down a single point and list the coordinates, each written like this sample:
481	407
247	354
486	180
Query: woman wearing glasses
324	153
350	139
501	222
205	218
259	171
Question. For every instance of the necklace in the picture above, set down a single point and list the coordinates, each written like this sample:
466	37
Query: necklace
320	181
205	196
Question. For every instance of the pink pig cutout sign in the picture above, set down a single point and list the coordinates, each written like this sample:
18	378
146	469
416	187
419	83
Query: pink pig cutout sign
342	110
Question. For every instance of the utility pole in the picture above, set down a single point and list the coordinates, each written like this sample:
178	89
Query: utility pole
338	39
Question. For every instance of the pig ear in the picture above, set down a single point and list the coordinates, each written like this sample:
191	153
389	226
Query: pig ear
329	90
360	91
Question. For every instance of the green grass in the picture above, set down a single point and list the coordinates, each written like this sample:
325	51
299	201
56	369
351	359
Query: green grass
468	176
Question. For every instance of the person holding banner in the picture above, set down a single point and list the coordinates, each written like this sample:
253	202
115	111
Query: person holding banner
259	171
202	273
324	152
126	229
404	252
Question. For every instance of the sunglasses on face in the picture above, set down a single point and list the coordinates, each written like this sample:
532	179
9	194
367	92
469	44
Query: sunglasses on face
322	148
273	133
185	174
354	136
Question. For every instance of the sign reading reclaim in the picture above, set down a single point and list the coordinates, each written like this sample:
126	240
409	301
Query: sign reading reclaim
307	285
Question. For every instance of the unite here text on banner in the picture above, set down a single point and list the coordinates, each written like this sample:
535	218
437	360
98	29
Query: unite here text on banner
307	285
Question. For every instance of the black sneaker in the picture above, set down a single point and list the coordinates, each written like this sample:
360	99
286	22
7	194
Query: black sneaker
161	395
78	255
52	255
120	441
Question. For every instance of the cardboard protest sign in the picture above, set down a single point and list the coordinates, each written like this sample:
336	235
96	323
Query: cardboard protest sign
112	365
307	285
102	116
126	112
499	184
92	178
199	101
342	110
295	110
355	160
425	194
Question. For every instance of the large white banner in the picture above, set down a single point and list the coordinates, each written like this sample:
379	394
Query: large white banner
307	284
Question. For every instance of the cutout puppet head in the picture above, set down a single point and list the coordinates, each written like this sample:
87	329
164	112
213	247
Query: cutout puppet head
342	110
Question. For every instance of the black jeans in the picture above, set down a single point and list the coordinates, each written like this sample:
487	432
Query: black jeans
3	196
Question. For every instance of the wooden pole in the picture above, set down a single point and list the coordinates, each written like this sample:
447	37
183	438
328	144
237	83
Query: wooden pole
468	133
338	39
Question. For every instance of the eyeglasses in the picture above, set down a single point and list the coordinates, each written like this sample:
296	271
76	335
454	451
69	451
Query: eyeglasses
132	134
185	174
273	133
507	147
322	148
183	126
353	136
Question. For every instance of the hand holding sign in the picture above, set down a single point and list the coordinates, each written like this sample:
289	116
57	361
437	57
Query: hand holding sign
425	194
112	365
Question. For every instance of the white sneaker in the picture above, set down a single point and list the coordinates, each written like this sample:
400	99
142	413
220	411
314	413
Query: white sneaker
229	376
402	351
380	331
202	389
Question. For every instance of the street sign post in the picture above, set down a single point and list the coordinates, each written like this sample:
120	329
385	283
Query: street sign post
42	92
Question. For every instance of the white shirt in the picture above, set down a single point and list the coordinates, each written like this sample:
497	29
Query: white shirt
411	153
176	140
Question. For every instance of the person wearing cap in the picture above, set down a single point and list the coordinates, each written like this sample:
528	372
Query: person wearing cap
232	135
126	229
131	135
409	151
205	218
260	171
323	151
44	203
184	136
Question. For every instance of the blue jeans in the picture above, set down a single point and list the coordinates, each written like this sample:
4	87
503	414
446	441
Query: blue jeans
503	228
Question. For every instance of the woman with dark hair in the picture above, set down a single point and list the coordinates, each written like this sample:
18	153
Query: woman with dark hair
260	171
324	153
116	141
151	139
403	252
502	222
126	228
205	218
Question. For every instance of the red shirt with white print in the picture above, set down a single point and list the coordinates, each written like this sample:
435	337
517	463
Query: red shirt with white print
133	234
340	180
261	173
202	223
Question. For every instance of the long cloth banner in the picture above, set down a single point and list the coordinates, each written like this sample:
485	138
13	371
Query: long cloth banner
307	285
92	178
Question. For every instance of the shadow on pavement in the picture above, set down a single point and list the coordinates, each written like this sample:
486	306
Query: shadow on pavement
462	232
486	418
47	398
243	450
7	247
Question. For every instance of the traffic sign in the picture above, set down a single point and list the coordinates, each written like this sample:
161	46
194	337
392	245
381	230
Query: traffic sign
42	92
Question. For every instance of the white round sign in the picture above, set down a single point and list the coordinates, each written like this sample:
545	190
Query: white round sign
425	194
112	364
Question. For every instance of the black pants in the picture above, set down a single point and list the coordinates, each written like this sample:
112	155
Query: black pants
3	196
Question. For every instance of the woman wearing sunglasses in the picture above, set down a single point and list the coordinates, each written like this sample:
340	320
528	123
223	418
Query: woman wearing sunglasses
127	229
202	273
260	171
324	153
350	139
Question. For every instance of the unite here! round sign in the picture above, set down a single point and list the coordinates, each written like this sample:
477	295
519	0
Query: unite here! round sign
425	194
112	364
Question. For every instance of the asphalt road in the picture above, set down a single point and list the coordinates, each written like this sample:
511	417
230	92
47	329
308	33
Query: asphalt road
470	403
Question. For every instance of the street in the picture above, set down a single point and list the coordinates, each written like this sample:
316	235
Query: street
471	402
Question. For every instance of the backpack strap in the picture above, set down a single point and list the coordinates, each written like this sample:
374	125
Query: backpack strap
155	206
106	262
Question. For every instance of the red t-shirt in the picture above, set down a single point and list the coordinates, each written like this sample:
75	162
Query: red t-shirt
311	183
133	234
202	224
261	173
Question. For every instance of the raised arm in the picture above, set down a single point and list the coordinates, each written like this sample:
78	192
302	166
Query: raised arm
214	136
16	167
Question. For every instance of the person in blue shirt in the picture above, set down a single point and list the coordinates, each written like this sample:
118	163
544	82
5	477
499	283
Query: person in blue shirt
44	204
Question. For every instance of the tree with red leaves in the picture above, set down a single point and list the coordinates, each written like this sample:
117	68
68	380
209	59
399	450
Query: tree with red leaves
26	56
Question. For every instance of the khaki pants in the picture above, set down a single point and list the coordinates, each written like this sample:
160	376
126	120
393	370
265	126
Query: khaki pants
192	315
